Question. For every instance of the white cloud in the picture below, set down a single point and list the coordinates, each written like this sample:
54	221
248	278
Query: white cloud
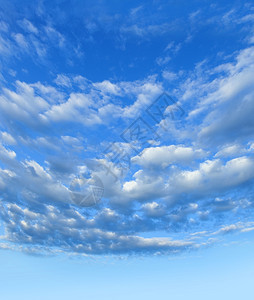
78	108
55	36
17	105
232	150
210	177
153	209
63	80
170	76
6	154
107	87
28	26
21	41
144	187
7	138
166	155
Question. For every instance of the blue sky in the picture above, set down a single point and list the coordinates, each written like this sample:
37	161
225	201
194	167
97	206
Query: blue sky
126	140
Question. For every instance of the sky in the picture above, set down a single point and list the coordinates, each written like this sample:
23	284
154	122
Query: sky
126	149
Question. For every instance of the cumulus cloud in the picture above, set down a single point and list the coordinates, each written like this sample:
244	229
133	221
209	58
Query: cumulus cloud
164	156
190	185
153	209
209	178
7	138
227	101
168	187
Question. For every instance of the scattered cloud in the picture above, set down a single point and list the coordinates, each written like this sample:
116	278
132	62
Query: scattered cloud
65	100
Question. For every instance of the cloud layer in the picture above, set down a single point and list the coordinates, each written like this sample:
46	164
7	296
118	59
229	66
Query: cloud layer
159	174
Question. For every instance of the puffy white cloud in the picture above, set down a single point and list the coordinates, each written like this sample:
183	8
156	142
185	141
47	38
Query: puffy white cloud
47	134
23	105
24	225
6	154
164	156
145	93
69	231
78	108
232	150
107	87
144	187
210	177
226	100
7	138
153	209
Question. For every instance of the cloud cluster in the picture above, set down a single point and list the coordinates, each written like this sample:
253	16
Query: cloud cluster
183	187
